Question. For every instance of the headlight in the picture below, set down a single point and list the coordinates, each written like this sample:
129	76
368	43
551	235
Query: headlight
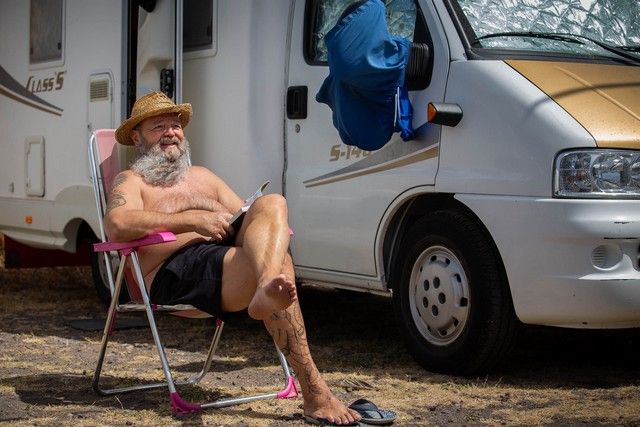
597	173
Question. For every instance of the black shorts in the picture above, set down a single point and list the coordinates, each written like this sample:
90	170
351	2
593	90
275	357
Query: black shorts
192	275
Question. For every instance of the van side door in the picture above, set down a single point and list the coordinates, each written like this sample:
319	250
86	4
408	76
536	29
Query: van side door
338	194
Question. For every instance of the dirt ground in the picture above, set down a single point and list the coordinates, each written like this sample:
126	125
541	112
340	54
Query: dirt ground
558	377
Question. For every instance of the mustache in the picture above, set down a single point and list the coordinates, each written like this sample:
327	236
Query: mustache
169	140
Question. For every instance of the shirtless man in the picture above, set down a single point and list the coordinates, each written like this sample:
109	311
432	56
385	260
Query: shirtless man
210	265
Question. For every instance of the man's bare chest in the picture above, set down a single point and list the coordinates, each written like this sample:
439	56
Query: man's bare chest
180	197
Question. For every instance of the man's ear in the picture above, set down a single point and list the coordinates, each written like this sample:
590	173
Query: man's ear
135	136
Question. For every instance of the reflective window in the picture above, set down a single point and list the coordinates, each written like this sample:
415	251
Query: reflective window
197	29
45	31
323	15
559	26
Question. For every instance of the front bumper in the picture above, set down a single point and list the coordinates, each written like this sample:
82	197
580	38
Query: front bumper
572	263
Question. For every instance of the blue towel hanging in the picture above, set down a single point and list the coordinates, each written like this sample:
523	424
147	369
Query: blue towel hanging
365	88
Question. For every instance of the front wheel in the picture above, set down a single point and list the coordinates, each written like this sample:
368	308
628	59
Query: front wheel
452	299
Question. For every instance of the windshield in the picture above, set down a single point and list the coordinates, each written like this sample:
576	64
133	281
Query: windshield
534	25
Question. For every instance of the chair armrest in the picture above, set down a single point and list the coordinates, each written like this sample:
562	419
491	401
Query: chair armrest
151	239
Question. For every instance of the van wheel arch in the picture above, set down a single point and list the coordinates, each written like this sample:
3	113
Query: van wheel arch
411	212
475	335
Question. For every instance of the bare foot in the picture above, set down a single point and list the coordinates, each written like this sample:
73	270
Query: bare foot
326	406
273	296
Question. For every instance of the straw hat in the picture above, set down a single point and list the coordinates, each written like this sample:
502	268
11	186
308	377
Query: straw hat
151	105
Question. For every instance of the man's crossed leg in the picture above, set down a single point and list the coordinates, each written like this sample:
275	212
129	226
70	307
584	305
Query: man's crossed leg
258	274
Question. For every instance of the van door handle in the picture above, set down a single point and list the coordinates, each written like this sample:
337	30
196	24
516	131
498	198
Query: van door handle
297	102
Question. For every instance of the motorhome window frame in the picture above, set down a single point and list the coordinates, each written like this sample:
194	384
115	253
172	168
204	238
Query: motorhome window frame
310	15
130	29
211	50
58	62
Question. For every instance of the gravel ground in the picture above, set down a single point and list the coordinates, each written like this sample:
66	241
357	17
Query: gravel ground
555	376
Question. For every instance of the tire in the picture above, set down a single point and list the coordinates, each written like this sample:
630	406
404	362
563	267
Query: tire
100	280
452	300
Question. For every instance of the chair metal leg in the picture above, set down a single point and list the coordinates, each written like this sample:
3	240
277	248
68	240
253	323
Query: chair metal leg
194	379
111	315
179	406
152	322
107	330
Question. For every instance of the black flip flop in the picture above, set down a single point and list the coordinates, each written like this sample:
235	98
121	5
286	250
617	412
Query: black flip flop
371	414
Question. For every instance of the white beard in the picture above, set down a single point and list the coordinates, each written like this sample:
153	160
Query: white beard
157	168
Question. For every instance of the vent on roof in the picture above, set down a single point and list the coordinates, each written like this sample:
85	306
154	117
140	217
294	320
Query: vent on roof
99	90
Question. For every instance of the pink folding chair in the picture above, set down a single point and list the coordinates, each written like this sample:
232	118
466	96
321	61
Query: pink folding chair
105	165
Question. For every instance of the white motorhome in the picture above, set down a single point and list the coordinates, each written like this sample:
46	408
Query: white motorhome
527	210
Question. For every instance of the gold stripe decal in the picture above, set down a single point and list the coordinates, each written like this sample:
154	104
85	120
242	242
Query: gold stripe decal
603	98
354	172
12	89
601	93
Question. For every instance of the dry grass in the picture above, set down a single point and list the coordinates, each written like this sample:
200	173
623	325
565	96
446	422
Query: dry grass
557	377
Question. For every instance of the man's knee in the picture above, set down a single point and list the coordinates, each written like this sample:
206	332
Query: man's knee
273	203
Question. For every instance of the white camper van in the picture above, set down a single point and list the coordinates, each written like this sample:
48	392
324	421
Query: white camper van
526	210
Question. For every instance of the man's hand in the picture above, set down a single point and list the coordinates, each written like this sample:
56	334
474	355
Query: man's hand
212	224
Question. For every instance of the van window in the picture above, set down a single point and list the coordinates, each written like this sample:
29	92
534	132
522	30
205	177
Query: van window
559	27
322	15
46	31
197	28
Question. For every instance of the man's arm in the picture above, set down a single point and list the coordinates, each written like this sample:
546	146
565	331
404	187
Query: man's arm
127	220
225	195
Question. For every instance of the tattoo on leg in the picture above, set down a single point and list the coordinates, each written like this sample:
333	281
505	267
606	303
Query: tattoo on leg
287	329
